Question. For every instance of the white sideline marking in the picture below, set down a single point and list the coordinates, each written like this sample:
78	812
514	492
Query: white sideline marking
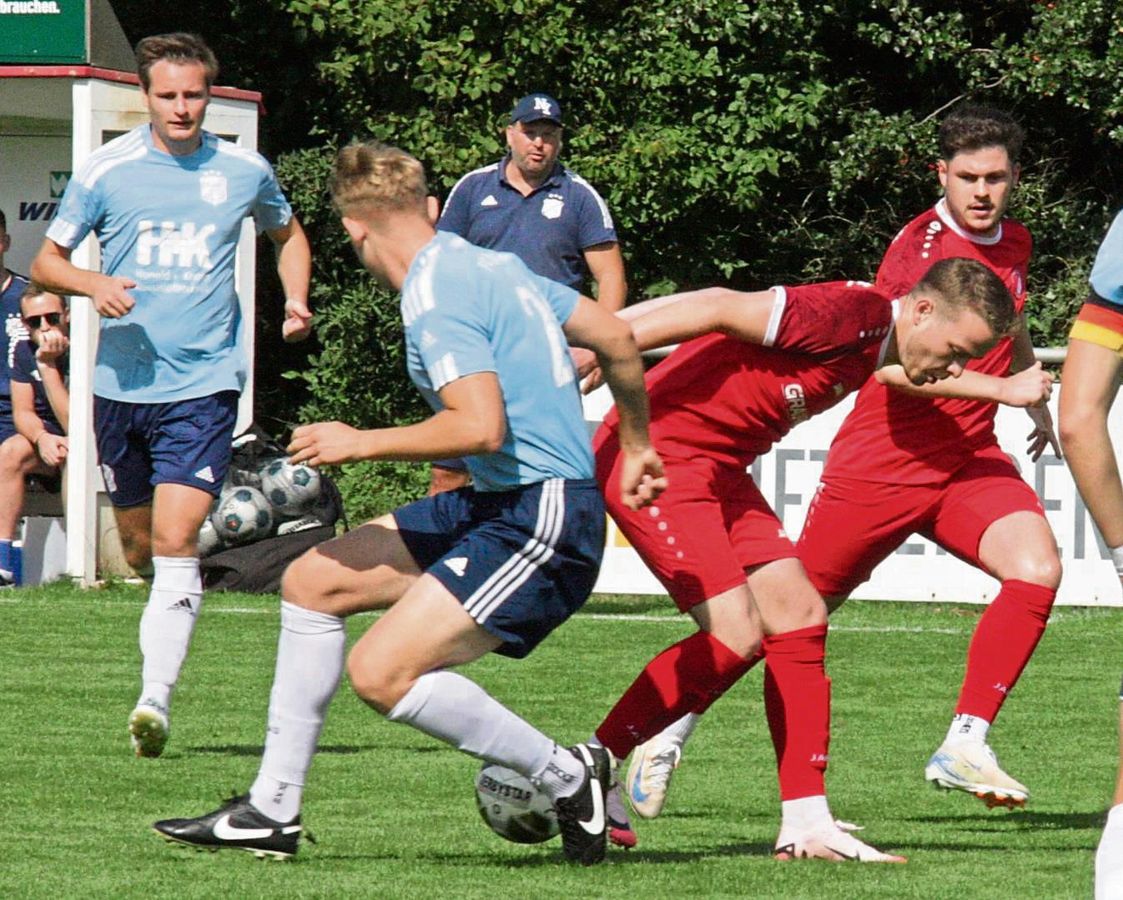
669	620
882	629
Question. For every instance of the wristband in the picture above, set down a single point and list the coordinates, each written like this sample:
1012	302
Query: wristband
1117	559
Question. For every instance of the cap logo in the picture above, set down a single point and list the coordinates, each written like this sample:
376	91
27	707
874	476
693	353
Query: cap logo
542	105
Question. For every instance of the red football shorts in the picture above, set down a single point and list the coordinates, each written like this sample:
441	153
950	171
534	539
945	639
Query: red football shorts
708	527
853	525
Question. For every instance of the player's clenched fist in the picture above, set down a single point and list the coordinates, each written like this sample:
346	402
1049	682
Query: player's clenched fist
1028	388
641	478
111	297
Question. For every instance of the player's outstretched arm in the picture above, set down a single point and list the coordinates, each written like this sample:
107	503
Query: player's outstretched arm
1029	387
53	270
473	422
1043	434
680	317
294	266
592	327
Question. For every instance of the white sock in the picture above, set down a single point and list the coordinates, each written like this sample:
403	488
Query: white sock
806	813
168	622
562	775
679	732
967	728
155	694
309	666
449	707
1109	857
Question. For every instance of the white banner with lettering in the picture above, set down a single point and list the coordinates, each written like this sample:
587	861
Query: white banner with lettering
919	570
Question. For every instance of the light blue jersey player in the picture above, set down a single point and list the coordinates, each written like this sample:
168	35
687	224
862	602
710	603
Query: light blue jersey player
1092	374
493	567
458	324
170	224
166	202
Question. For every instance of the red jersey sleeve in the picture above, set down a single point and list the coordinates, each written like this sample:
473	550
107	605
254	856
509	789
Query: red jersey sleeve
829	318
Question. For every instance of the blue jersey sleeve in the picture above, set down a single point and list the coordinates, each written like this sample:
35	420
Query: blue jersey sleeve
595	225
454	217
562	299
1107	271
452	336
78	214
23	365
271	210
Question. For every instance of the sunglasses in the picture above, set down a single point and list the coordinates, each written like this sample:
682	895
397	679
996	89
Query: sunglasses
39	321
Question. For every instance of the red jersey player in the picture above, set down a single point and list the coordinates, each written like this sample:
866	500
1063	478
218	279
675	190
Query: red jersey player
932	465
939	470
754	366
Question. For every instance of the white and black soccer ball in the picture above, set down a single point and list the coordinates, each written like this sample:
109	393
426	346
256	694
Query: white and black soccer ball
291	488
209	541
514	807
242	515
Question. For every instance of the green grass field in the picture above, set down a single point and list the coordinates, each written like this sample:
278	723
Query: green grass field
394	812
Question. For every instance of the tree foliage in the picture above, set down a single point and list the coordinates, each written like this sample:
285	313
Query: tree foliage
751	143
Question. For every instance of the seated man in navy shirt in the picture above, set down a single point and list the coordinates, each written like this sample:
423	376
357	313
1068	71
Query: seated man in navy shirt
40	400
531	205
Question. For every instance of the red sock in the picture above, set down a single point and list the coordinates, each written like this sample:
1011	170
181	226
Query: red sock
1004	641
797	699
675	682
731	679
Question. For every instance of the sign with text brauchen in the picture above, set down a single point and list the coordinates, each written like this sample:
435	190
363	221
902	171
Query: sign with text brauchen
38	32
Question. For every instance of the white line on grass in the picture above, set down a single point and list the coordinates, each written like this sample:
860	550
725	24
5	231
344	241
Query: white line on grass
670	620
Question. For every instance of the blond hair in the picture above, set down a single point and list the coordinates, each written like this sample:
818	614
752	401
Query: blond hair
373	176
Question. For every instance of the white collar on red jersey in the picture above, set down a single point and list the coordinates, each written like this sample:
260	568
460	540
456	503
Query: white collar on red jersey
895	305
949	221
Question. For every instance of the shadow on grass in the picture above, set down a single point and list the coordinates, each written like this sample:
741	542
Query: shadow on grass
336	749
1019	820
615	857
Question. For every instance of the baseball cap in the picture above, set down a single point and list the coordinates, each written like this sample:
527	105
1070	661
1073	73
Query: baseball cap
535	107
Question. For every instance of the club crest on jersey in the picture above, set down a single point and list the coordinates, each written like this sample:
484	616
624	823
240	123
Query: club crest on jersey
552	206
797	403
212	187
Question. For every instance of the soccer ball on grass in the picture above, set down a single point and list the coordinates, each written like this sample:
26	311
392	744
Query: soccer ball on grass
514	807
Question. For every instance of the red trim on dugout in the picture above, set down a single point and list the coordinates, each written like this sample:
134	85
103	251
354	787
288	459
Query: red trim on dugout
227	93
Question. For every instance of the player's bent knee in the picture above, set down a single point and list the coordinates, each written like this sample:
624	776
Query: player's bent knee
375	685
303	581
1044	570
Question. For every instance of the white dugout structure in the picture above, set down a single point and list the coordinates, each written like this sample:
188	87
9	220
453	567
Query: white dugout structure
919	570
67	86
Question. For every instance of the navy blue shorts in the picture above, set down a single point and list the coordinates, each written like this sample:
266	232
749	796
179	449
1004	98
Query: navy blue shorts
521	562
453	464
141	445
